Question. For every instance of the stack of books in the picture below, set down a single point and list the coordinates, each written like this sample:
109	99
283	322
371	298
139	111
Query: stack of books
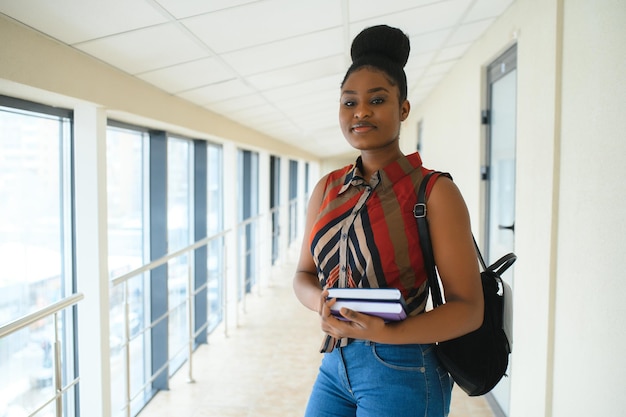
386	303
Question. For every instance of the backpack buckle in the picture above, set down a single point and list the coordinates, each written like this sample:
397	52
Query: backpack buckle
419	210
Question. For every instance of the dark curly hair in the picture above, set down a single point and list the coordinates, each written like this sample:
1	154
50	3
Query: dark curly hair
384	48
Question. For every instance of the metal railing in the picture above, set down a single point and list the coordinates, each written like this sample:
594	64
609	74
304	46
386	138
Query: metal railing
248	251
251	241
191	292
29	319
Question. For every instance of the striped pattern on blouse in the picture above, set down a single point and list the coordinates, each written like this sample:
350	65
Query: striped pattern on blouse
365	234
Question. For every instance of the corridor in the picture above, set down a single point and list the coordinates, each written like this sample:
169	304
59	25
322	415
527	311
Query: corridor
266	366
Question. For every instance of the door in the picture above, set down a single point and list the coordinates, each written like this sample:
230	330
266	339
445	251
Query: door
500	177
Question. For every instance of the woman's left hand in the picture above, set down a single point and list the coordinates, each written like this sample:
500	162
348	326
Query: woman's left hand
356	325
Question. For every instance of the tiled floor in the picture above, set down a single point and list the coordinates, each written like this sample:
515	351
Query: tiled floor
265	367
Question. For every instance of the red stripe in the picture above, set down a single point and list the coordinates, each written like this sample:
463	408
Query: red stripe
382	239
332	215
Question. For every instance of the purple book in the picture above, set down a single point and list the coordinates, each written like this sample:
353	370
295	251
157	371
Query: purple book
385	303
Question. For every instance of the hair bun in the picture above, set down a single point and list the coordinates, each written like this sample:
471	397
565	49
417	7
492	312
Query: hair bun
382	40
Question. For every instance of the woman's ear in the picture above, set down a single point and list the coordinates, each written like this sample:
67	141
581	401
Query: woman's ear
405	109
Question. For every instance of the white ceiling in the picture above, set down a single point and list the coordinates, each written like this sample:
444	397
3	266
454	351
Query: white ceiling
272	65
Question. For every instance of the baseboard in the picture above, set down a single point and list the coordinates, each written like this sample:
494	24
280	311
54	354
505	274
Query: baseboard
495	407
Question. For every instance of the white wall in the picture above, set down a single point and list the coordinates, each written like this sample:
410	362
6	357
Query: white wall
570	195
589	360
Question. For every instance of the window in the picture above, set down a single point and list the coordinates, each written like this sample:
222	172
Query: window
128	245
35	250
248	210
293	200
215	247
275	205
180	235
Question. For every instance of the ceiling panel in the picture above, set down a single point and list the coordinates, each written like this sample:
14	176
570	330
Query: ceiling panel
217	92
483	9
146	49
376	9
268	21
451	53
273	65
73	21
428	42
469	32
305	88
238	103
181	9
286	52
189	75
421	20
290	75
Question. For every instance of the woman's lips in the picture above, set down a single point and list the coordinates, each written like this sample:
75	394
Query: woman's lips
363	127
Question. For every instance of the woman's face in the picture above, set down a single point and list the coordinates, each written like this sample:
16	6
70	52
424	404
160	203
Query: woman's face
369	110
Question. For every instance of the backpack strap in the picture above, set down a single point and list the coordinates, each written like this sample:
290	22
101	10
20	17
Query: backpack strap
419	211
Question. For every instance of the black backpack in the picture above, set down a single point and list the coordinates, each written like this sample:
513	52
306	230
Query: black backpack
476	361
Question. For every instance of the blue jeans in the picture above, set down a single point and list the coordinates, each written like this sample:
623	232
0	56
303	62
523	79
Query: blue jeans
366	379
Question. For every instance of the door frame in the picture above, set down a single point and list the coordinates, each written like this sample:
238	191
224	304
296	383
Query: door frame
500	67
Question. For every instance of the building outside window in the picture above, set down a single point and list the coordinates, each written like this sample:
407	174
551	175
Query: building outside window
128	243
35	251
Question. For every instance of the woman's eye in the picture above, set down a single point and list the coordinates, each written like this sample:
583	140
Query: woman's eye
378	100
348	103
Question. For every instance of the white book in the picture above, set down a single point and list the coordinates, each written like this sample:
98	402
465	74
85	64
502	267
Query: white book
388	310
382	294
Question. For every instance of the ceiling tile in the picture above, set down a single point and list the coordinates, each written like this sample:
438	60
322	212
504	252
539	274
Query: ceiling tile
483	9
255	116
375	9
287	52
146	49
417	63
217	92
268	21
469	32
73	21
302	89
299	73
181	9
452	52
429	41
237	103
189	75
420	20
438	69
323	102
428	81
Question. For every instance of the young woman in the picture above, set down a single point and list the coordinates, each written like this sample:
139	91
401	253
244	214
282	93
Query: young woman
360	232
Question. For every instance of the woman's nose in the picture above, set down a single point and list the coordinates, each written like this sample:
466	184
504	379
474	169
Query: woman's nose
362	111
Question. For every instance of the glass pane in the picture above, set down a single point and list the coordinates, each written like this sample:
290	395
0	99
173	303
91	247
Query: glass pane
34	184
215	224
293	200
128	250
30	214
502	162
179	232
125	191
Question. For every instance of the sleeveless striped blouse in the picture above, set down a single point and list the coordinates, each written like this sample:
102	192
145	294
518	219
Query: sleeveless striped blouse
365	234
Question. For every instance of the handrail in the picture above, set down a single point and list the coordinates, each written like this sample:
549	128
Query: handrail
25	321
165	258
123	280
35	316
